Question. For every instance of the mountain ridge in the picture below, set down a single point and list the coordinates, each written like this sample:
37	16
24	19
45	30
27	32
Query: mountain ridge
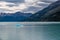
38	15
18	16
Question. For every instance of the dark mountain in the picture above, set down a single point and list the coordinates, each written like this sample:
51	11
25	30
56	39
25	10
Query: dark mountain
15	17
50	13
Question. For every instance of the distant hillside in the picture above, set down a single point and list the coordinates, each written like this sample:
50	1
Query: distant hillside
14	17
50	13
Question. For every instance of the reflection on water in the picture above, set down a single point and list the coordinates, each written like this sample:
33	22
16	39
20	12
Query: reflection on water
29	31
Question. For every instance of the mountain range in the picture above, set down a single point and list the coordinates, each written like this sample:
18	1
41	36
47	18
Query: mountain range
12	17
50	13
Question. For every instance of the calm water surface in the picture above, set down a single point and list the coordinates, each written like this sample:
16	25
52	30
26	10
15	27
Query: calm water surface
29	30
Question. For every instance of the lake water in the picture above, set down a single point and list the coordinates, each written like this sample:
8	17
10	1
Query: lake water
29	30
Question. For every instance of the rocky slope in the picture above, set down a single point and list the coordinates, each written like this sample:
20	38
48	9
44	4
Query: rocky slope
50	13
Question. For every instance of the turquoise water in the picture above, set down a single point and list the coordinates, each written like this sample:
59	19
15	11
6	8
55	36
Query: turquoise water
30	31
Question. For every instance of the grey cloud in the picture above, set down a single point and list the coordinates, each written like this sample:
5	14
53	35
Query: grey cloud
48	1
43	4
12	5
14	1
33	9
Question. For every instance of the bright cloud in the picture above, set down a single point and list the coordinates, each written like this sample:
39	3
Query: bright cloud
20	7
31	1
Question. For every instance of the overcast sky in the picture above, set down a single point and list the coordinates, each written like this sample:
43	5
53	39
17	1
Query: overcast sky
32	6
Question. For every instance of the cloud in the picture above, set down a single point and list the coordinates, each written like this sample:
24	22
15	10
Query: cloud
33	9
31	1
48	1
12	6
13	1
36	5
